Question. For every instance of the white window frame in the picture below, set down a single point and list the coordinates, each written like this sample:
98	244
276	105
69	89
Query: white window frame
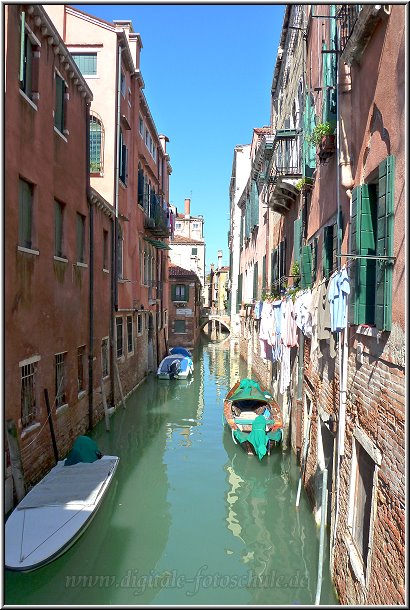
362	572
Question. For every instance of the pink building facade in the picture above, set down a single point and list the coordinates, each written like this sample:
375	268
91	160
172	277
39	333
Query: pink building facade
87	221
335	183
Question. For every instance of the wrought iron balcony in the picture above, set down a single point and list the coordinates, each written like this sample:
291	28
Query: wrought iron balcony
156	219
285	169
347	15
357	23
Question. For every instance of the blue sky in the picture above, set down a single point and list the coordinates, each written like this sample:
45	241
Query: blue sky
208	71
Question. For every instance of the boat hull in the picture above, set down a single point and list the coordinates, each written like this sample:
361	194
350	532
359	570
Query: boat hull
36	535
239	417
186	367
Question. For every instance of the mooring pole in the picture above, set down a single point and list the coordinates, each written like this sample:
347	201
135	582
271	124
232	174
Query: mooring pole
322	537
50	421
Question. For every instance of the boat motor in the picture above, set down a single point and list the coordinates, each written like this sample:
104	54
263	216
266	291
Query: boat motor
174	368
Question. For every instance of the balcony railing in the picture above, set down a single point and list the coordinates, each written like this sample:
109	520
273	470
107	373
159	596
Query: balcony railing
347	15
287	154
156	219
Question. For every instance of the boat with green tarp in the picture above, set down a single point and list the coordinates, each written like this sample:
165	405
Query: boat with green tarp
253	417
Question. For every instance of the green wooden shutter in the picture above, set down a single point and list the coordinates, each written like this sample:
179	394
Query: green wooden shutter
264	287
297	239
173	292
186	292
313	246
255	281
309	149
327	250
384	246
239	297
306	267
254	204
363	243
274	270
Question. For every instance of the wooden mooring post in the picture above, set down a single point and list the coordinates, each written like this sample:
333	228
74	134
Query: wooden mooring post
15	460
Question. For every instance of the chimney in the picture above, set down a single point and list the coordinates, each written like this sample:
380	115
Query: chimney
187	207
219	258
163	139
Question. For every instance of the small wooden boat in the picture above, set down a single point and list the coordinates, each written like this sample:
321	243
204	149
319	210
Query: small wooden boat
175	366
56	512
253	417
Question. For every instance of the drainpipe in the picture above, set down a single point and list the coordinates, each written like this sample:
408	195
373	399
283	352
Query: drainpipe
343	335
114	274
91	277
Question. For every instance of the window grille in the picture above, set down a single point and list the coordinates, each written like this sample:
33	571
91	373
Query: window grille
28	399
119	327
130	341
59	380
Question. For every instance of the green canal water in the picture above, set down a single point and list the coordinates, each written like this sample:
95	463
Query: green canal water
190	518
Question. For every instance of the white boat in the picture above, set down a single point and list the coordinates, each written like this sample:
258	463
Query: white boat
175	366
54	514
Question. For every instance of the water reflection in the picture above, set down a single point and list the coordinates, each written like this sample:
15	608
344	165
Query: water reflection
192	519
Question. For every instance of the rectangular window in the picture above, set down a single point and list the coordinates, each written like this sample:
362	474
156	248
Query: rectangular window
86	63
179	326
81	368
105	249
178	226
165	318
119	335
140	327
26	59
141	125
179	292
58	228
59	106
255	292
123	160
28	397
80	219
105	361
60	381
123	85
130	334
25	214
194	251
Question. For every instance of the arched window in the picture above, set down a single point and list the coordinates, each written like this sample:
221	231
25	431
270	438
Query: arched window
96	144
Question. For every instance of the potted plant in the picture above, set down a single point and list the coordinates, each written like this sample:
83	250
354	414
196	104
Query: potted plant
295	273
324	137
304	184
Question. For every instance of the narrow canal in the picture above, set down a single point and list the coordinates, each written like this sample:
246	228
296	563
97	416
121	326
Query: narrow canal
190	519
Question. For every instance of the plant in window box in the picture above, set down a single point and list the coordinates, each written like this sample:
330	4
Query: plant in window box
323	135
304	184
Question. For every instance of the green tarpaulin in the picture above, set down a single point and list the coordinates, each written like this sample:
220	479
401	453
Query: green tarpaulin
258	437
84	449
250	390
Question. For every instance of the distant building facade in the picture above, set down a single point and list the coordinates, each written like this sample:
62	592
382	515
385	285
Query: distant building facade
185	307
188	243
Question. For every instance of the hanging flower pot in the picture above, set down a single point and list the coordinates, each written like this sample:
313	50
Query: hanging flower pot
327	146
